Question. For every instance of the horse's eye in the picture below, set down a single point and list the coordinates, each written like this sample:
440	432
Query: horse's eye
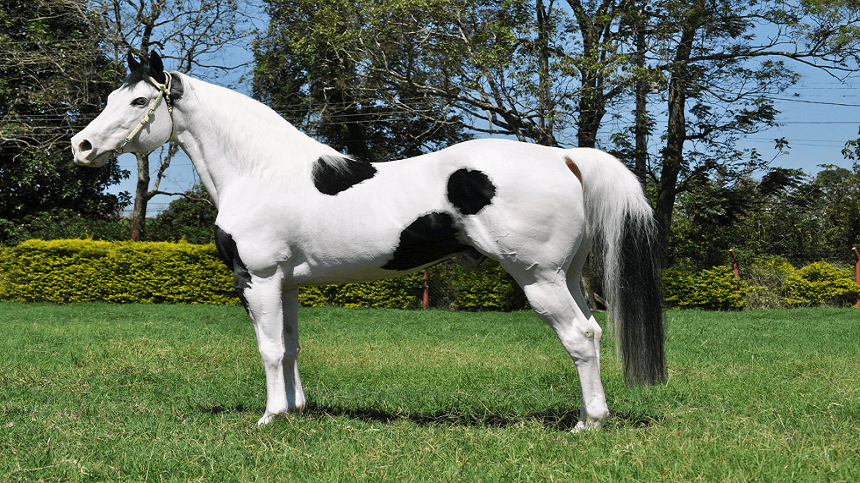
140	101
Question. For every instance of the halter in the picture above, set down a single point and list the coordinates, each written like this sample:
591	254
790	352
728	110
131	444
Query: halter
163	93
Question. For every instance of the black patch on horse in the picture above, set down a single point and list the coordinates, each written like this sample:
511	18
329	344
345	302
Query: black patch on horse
230	256
331	178
430	238
470	190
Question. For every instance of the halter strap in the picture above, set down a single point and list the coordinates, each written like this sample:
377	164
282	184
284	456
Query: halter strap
163	93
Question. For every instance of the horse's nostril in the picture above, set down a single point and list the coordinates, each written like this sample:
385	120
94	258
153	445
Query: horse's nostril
85	146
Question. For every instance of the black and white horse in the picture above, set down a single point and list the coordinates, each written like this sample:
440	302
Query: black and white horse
294	212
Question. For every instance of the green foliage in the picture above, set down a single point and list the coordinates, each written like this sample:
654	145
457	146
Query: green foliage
767	276
53	77
488	288
771	282
87	270
157	272
452	287
394	293
786	214
821	284
714	289
190	218
63	224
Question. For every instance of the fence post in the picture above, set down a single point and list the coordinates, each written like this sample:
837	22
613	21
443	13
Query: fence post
735	263
857	272
426	301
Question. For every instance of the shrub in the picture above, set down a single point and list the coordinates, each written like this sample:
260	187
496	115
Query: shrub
62	224
714	289
86	270
394	293
767	276
489	287
821	284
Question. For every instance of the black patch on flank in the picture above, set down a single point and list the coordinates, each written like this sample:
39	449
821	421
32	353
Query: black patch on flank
429	238
230	256
470	190
333	178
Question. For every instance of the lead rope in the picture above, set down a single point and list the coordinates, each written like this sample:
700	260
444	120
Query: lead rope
163	93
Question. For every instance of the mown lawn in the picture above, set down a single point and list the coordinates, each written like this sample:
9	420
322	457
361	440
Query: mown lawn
97	392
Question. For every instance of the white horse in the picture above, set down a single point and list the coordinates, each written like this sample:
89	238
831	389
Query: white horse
294	212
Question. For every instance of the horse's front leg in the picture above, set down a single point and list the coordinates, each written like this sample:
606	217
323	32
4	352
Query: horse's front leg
274	313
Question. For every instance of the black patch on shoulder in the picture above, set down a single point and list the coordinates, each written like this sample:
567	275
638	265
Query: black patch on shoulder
230	256
331	179
429	238
470	190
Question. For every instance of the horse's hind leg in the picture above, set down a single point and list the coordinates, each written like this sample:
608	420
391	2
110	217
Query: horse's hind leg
574	274
580	335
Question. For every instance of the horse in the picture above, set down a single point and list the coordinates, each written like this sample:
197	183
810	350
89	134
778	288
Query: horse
294	212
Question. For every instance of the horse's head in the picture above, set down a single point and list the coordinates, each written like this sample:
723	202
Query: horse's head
138	116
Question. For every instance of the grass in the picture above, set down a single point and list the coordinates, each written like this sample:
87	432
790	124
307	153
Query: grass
96	392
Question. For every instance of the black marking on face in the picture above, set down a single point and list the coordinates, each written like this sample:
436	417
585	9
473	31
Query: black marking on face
470	191
430	238
230	256
335	176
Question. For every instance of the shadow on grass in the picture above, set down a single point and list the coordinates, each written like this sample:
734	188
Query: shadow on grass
553	420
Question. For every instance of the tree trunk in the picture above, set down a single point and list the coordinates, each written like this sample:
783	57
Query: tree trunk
640	154
141	198
673	153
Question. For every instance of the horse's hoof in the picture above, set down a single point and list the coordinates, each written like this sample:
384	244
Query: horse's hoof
586	426
266	419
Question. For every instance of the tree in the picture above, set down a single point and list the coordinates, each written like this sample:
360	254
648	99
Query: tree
540	71
721	76
305	76
53	77
188	218
192	33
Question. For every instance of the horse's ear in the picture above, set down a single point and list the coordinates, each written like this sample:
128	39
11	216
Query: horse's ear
156	67
133	64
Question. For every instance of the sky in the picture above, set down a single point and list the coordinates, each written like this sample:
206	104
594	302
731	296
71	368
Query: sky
818	116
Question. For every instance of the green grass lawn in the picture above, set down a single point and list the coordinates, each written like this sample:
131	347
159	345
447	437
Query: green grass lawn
97	392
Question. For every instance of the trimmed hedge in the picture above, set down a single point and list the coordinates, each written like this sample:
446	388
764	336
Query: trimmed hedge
714	289
158	272
772	282
121	272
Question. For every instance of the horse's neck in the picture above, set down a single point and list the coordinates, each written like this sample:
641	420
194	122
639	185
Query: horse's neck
228	135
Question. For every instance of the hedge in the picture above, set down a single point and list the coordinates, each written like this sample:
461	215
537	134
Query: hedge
158	272
122	272
771	282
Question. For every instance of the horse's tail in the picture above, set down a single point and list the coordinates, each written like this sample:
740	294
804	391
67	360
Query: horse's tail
622	223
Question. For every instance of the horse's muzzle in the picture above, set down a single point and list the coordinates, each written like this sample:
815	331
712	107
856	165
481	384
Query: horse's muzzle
86	155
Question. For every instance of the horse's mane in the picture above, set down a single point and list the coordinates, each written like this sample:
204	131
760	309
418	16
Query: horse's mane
278	146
